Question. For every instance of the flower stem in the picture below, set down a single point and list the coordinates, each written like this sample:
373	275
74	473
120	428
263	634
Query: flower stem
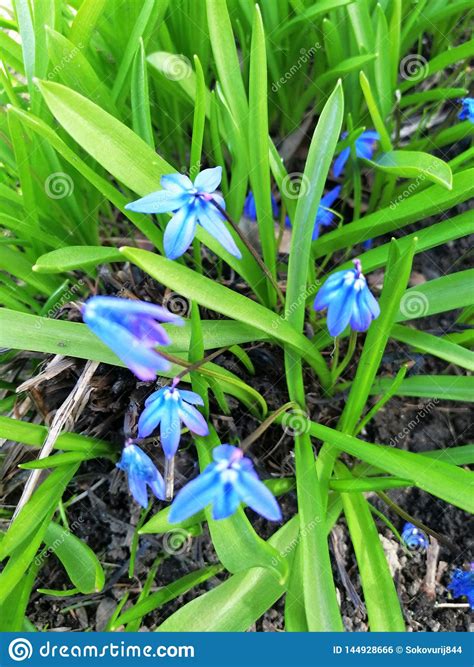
245	444
188	367
169	478
251	249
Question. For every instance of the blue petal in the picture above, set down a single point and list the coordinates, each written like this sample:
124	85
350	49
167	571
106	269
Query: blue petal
340	310
179	232
225	503
370	302
155	396
225	452
137	487
193	419
250	210
316	230
330	197
208	180
195	496
150	418
212	222
157	485
191	397
361	316
255	494
340	161
178	183
111	305
162	201
170	428
141	360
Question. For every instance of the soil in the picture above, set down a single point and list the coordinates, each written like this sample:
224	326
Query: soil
105	516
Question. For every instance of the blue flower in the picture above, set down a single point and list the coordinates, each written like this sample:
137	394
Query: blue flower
462	583
130	328
168	407
227	482
414	538
324	216
250	210
191	204
349	301
467	111
141	471
368	244
365	147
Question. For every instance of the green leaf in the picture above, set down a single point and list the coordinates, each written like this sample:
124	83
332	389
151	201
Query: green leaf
430	344
40	334
395	281
75	257
414	164
215	296
226	59
442	387
85	21
259	172
140	98
320	602
437	296
41	505
399	214
166	594
445	481
35	435
80	562
381	599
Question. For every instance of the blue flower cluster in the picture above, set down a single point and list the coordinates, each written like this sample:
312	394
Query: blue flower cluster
467	109
134	331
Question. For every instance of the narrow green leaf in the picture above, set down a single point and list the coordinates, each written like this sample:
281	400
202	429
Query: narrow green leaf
80	562
415	164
